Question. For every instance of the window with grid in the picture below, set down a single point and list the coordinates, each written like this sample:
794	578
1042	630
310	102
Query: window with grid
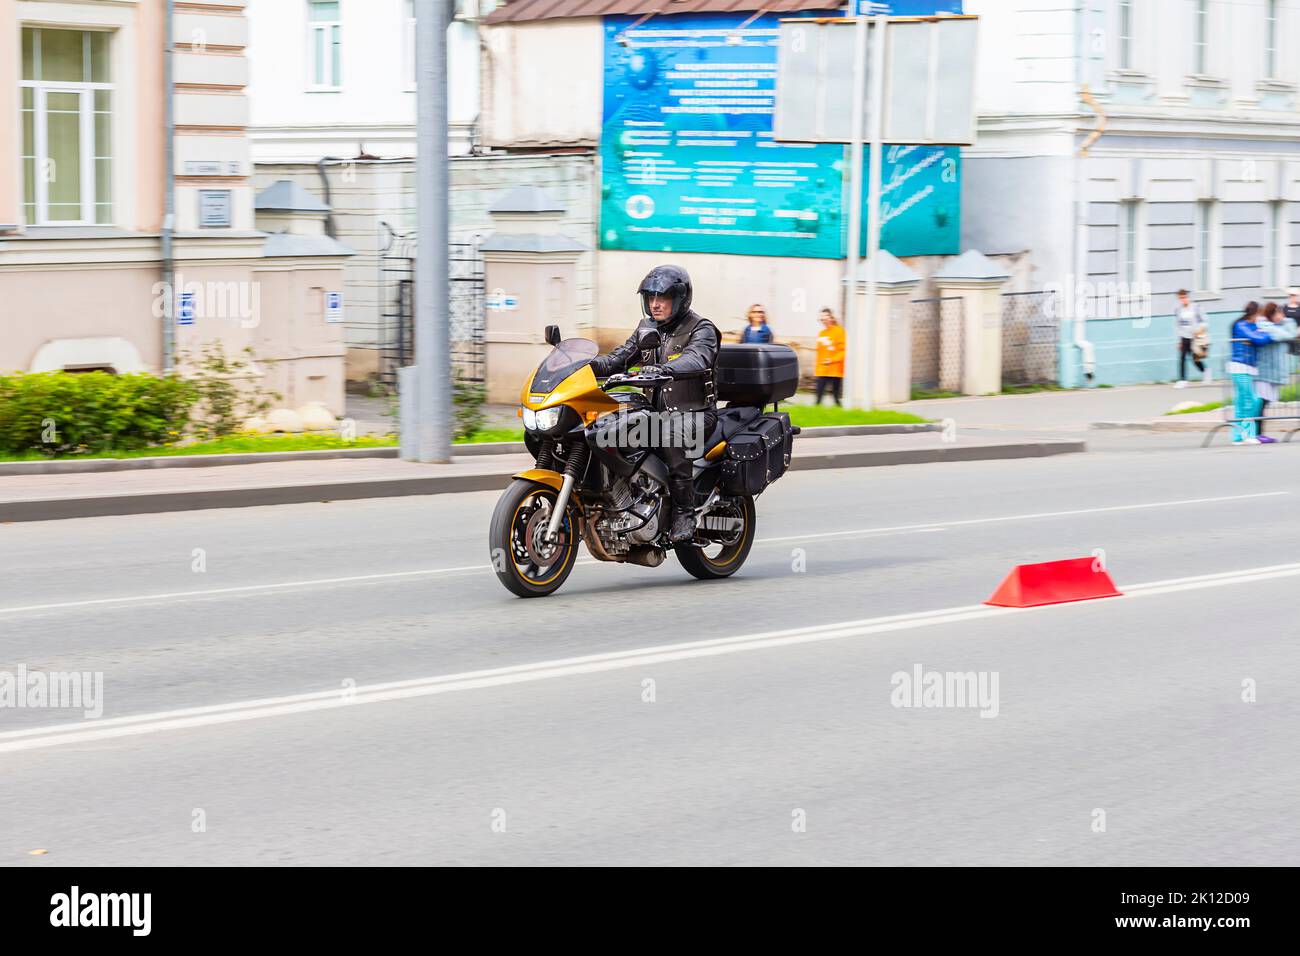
325	39
1130	255
1200	37
1205	246
67	123
1277	267
1270	39
1126	34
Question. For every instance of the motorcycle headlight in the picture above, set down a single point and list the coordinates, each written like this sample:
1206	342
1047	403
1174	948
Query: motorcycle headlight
548	418
530	419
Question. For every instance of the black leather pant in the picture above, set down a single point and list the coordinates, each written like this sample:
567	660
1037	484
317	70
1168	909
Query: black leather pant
681	446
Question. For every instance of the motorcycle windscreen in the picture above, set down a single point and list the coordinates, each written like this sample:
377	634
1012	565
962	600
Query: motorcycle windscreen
565	359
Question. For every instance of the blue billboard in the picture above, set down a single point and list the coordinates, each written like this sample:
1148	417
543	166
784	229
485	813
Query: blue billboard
688	162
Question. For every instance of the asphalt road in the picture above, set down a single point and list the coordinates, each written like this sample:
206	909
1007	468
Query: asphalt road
641	717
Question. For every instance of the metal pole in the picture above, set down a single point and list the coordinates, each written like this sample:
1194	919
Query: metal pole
856	348
876	134
432	335
169	192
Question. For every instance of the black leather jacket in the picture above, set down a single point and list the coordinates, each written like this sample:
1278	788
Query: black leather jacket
688	347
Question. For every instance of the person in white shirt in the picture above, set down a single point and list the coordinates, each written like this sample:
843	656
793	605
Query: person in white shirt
1193	338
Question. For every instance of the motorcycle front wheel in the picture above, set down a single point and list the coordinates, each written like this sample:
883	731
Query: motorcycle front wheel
523	560
715	560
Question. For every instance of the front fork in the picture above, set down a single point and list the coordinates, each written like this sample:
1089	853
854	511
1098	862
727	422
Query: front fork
573	470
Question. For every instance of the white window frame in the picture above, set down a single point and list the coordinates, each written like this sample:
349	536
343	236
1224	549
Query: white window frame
333	58
409	78
1131	268
1277	265
1124	31
1205	245
85	92
1201	37
1270	39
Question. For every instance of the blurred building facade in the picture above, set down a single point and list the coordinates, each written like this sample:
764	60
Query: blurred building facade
1131	143
85	282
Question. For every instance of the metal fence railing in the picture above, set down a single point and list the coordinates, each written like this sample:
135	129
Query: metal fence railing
937	343
1252	403
466	305
1030	339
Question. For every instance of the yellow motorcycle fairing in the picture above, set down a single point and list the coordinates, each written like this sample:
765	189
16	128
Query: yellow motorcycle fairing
579	391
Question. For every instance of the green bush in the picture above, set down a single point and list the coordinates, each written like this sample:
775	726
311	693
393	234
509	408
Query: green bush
228	394
467	403
60	413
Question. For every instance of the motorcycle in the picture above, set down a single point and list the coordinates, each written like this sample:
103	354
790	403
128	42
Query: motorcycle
593	482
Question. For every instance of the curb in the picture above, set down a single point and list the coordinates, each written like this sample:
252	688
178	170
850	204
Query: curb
920	456
79	466
1157	425
97	506
75	466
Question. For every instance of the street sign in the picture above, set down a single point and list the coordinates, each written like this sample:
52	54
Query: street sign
215	208
333	306
911	83
185	308
929	89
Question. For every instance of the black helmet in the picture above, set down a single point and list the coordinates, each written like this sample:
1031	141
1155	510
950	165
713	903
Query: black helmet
666	280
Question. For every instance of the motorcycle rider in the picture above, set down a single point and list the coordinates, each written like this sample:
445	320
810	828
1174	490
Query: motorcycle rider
688	351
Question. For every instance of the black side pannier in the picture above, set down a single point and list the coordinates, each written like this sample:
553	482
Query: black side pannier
757	374
758	455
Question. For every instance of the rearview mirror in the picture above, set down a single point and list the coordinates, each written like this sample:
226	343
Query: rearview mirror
552	335
647	340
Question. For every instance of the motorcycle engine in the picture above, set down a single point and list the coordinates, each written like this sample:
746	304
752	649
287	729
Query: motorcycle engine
639	514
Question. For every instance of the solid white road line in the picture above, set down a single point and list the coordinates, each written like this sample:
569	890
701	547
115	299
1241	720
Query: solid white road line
928	528
89	731
944	525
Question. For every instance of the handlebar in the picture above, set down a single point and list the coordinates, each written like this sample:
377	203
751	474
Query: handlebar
621	378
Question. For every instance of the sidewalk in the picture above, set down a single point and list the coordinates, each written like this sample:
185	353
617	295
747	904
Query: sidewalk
1074	410
55	496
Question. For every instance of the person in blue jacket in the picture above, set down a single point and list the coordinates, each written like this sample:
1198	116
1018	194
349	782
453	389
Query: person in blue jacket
757	330
1243	366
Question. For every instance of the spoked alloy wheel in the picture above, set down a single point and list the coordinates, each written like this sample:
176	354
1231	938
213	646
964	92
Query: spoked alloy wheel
525	562
721	559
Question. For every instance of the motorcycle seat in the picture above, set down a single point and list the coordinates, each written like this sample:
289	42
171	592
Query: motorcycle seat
731	420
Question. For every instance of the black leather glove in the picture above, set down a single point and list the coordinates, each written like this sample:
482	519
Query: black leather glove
657	371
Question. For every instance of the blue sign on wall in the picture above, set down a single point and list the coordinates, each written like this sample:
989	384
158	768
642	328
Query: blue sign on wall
920	200
185	308
688	162
687	157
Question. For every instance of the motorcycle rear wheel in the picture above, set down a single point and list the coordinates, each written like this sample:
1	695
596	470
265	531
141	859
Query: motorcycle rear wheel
725	560
523	561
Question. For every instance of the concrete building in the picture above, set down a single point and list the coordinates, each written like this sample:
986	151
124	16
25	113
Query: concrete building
84	277
332	93
337	78
1127	143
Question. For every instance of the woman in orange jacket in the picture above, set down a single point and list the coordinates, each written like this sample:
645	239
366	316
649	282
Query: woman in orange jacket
830	357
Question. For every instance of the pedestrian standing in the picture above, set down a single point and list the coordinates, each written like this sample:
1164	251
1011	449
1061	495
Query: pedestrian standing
1292	308
757	331
1273	360
1193	337
830	358
1246	336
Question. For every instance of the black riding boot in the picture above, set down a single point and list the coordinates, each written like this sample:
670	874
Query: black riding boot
683	493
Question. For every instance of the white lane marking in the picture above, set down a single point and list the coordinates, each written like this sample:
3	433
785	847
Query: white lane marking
88	731
352	579
242	589
931	527
944	525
